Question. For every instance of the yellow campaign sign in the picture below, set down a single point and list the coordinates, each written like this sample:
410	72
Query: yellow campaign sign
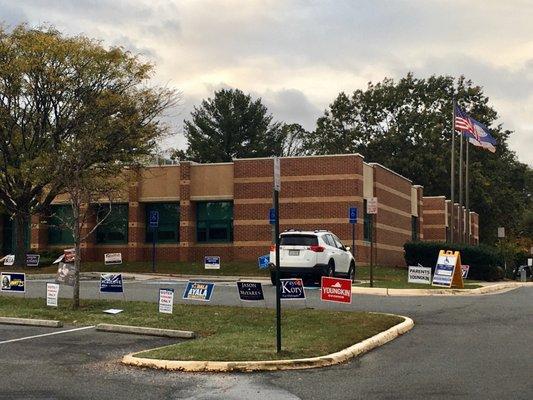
448	271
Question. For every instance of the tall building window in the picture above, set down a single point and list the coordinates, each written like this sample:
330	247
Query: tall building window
214	221
367	224
58	233
169	222
114	229
415	228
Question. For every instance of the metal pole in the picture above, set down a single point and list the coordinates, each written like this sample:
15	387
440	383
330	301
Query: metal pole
278	283
460	216
372	251
467	194
154	234
353	241
452	173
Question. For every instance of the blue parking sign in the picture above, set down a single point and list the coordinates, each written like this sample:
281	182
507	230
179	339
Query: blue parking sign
263	261
353	215
154	219
272	216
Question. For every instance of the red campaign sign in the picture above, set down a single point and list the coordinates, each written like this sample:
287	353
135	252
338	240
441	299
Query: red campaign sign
336	289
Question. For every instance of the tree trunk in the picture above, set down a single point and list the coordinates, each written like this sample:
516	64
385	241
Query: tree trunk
20	229
77	265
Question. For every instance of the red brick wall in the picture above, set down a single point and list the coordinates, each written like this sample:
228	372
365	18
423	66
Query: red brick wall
434	212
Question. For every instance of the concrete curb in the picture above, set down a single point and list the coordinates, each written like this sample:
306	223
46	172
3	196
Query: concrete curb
490	289
275	365
140	330
31	322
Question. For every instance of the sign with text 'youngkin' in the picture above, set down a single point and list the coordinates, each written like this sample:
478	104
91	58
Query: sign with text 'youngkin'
336	289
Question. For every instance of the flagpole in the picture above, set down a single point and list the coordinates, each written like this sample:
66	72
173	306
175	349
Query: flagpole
460	216
467	199
452	173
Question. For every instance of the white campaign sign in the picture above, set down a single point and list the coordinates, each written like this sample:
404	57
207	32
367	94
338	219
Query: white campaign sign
9	260
418	274
52	294
112	258
166	301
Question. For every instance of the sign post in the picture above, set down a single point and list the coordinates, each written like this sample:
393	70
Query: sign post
277	188
352	215
372	209
154	224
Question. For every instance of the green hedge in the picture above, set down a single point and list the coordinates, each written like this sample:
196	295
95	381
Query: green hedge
485	262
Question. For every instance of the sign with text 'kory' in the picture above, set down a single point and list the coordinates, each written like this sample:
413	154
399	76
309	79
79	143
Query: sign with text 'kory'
292	289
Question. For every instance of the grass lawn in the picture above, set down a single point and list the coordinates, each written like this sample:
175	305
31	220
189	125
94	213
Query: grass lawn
225	333
396	278
245	268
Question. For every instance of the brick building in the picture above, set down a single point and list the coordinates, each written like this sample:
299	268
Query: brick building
222	209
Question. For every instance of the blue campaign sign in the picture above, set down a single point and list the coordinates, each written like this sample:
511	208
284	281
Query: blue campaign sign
353	215
111	283
250	291
272	216
292	289
154	219
263	261
13	282
201	291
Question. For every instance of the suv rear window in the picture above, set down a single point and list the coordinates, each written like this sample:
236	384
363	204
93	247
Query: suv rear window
299	240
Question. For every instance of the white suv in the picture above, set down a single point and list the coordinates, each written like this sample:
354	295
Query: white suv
312	254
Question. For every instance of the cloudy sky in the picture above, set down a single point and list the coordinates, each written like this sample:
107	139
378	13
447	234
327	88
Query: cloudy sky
298	55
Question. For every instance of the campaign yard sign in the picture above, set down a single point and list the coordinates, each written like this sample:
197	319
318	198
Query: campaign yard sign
250	291
419	274
212	262
52	294
9	260
111	283
465	269
32	260
292	289
448	270
112	258
201	291
13	282
166	301
336	289
66	274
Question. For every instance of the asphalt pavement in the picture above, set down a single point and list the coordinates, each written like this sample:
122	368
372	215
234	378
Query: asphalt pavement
471	347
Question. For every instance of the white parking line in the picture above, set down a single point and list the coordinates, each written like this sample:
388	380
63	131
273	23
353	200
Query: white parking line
47	334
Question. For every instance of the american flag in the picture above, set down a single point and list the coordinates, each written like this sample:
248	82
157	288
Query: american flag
463	123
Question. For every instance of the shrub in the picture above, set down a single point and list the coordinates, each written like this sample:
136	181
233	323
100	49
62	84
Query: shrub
485	261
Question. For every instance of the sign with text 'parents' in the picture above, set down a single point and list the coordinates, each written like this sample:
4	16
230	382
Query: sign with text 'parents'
166	301
201	291
13	282
112	258
52	294
250	291
336	289
419	274
111	283
9	260
292	289
212	262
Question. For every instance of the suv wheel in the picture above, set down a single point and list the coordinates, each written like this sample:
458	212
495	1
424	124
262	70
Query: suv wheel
273	278
351	272
331	268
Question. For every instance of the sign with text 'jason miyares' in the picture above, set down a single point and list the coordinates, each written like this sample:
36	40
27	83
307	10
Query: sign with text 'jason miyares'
250	291
292	289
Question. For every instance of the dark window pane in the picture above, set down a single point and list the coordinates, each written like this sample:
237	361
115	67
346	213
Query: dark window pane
114	228
169	222
58	231
298	240
214	221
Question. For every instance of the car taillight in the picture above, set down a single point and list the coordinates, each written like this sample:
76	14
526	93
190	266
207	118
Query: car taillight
272	247
316	249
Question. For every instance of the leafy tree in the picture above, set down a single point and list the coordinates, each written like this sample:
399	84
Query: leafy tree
230	125
60	95
406	126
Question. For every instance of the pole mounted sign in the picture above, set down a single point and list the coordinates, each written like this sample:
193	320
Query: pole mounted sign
272	216
154	219
352	215
372	205
277	174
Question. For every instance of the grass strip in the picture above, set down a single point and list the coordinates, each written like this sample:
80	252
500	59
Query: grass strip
225	333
